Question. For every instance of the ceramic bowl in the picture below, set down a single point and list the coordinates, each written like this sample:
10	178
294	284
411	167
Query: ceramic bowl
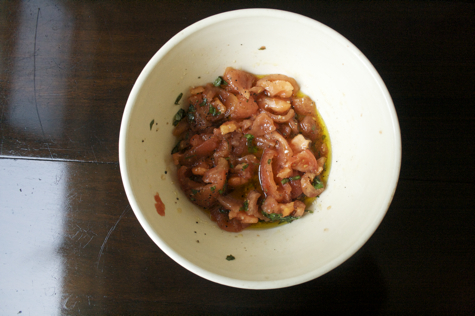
351	98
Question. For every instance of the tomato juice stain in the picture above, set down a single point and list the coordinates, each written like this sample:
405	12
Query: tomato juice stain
159	205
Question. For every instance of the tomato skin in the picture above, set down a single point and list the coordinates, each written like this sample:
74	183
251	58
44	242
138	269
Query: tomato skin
266	177
305	161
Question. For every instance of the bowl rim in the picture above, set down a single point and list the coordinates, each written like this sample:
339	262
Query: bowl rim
232	282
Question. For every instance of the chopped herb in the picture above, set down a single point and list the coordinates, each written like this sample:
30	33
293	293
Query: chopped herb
249	137
317	184
176	148
223	189
230	258
178	98
213	188
245	206
309	211
213	111
151	123
178	117
223	211
193	199
284	181
193	191
219	81
250	147
278	217
245	166
191	116
204	102
269	161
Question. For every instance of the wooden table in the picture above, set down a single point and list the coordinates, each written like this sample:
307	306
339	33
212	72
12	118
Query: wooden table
70	244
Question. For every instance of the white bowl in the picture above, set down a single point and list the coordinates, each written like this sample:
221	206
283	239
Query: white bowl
350	96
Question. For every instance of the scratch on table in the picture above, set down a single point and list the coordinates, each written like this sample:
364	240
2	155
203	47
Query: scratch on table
66	302
79	127
71	196
77	232
47	146
95	158
88	242
100	141
108	235
34	74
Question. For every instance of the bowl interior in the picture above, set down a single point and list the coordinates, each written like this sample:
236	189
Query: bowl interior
353	102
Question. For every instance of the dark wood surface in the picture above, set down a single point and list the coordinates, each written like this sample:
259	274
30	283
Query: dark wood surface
69	242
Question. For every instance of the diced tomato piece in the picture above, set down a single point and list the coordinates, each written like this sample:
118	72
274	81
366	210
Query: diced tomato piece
238	107
262	125
304	106
307	187
239	81
309	128
296	88
223	221
305	161
274	105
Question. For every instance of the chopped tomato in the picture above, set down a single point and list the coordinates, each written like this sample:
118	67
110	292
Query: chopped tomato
249	150
262	125
239	81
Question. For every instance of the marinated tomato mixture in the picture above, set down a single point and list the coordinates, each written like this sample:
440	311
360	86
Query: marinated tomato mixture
250	149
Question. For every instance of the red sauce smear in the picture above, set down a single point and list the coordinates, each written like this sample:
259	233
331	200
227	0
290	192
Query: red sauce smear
159	205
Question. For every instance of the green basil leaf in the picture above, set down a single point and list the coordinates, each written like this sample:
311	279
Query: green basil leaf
178	98
178	117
